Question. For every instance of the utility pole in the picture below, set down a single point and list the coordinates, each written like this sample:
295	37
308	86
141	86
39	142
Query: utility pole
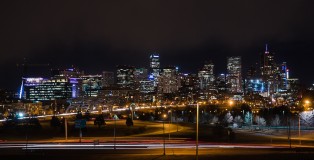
80	133
170	121
289	132
197	117
114	133
66	128
163	128
299	129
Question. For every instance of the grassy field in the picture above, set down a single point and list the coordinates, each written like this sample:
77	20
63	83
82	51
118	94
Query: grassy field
147	130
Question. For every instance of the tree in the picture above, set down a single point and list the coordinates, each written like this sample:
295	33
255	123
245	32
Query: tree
99	121
237	122
260	121
79	115
34	122
275	121
129	121
307	118
248	118
87	115
228	118
54	122
214	120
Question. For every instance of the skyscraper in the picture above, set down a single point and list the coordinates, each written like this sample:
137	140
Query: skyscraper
270	72
41	89
91	84
154	68
206	76
108	78
125	76
284	76
63	84
234	74
140	74
267	64
168	81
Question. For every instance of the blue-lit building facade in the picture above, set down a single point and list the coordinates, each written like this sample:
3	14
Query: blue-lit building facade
41	89
62	85
154	68
91	84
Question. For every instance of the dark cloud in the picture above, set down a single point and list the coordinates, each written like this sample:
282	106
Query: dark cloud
97	35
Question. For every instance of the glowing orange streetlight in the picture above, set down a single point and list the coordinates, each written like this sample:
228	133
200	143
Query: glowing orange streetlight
307	103
231	103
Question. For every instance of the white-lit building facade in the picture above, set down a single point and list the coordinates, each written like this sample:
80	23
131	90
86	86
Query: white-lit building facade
234	74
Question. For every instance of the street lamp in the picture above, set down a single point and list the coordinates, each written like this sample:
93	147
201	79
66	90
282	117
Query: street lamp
114	132
307	104
197	114
230	103
170	121
163	128
299	128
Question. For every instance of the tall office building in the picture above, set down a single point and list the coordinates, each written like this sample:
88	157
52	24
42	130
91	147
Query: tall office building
140	75
234	74
268	64
284	76
221	82
125	76
91	84
63	84
272	73
188	85
146	86
41	89
253	83
206	76
168	81
154	68
107	79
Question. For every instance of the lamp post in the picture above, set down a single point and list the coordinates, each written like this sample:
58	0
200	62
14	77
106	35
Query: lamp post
114	132
197	114
170	121
299	128
176	118
66	128
163	128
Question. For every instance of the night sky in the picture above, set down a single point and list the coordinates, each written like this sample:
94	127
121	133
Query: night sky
98	35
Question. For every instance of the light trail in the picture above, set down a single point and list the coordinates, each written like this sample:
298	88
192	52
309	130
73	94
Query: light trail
129	146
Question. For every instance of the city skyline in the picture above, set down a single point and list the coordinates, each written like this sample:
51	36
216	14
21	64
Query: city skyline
154	79
46	69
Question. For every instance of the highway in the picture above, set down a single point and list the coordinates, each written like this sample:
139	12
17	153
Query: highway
128	145
149	151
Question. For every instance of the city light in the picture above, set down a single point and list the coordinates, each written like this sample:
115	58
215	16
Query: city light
114	80
231	102
21	115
